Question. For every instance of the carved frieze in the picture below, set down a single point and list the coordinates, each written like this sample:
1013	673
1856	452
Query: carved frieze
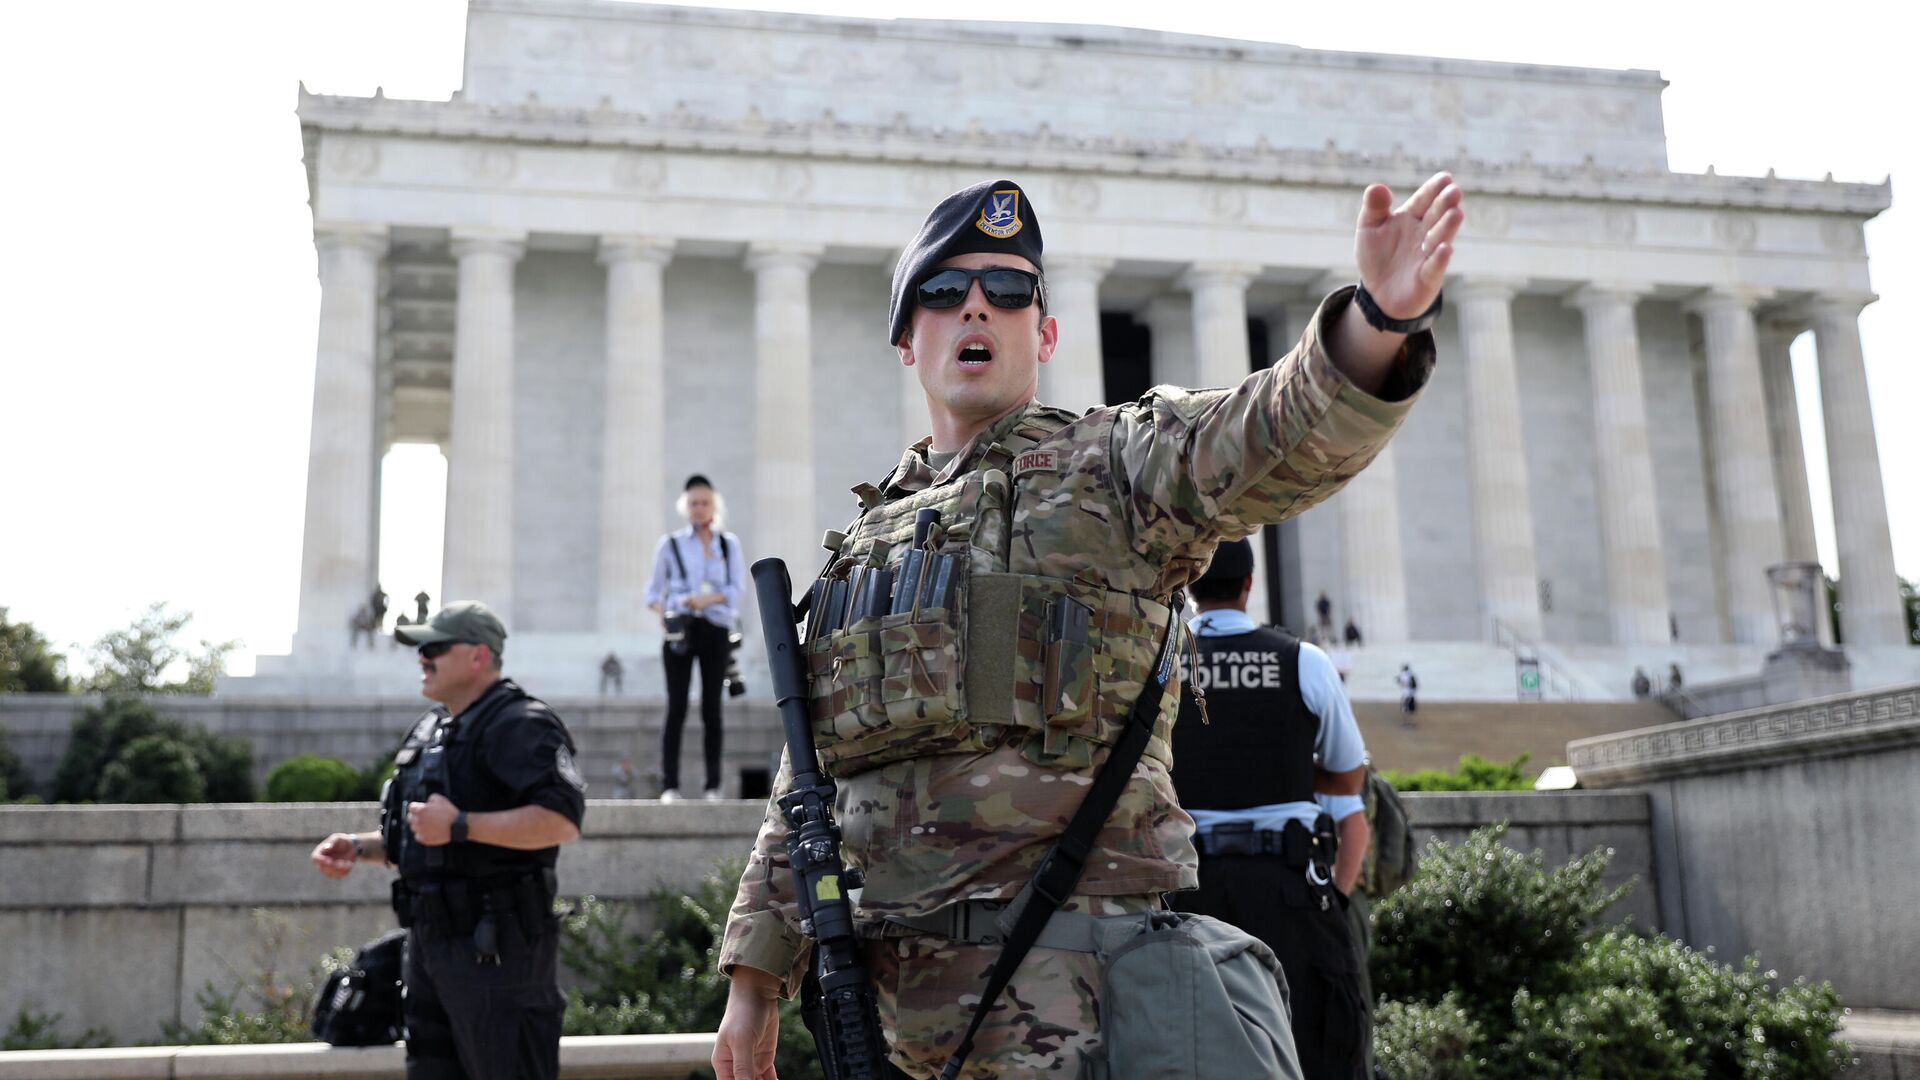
1735	230
351	157
1843	236
1078	194
640	171
490	164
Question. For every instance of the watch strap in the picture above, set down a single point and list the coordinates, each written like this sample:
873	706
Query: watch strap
459	830
1380	320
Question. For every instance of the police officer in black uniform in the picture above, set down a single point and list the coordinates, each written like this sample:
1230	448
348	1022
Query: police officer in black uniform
484	792
1277	729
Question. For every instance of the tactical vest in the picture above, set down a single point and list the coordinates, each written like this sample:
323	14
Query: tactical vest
983	667
423	767
1257	748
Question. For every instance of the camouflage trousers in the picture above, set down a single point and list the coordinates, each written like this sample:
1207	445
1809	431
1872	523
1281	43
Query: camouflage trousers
1045	1021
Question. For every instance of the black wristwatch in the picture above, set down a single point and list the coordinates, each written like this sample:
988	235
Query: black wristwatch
460	827
1380	320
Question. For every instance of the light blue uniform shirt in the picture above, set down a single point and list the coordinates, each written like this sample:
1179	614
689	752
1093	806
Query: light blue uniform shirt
726	575
1337	745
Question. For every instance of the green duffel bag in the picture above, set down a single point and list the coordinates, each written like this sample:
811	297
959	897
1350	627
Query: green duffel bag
1186	996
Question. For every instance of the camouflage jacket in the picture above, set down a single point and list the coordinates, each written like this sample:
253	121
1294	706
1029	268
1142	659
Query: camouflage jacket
1146	490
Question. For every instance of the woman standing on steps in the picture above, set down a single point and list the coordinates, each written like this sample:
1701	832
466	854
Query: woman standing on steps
698	574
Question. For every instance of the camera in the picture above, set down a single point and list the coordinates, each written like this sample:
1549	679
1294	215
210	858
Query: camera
736	686
676	639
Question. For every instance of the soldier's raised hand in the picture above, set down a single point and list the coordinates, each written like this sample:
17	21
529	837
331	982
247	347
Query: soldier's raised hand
1403	251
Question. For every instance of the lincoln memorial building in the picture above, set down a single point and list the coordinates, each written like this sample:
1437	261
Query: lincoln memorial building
642	242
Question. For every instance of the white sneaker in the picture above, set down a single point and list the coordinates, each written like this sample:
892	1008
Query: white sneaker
672	794
712	795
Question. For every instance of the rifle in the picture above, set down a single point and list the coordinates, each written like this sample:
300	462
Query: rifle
838	998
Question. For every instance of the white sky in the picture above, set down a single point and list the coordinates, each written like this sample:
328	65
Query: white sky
157	344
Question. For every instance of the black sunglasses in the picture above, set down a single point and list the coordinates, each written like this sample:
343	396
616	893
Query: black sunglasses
434	650
1003	287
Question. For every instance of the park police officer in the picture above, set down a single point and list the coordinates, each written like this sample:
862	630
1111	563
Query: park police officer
1278	729
484	792
965	725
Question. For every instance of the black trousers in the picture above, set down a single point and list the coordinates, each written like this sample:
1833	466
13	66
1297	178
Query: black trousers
472	1021
1275	903
707	643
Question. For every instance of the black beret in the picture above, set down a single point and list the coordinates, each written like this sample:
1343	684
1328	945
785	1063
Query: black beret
993	215
697	480
1232	561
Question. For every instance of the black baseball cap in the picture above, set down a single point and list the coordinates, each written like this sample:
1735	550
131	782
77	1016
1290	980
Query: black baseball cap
468	621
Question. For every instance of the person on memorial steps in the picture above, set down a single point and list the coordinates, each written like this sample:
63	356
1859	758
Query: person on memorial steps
1277	731
958	759
484	792
698	575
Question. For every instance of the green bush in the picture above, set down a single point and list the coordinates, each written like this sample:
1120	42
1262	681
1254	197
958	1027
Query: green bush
35	1030
374	777
13	775
1593	1033
312	778
666	980
1727	1018
153	769
103	733
99	735
1484	920
226	764
1474	773
1412	1041
1489	966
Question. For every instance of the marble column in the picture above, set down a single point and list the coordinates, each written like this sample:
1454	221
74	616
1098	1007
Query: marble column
783	475
1783	434
1497	453
914	423
479	540
1169	322
1375	579
1076	376
1222	357
339	542
1870	592
633	489
1220	346
1629	510
1744	491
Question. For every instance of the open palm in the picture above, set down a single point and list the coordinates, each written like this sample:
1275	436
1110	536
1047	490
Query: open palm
1403	251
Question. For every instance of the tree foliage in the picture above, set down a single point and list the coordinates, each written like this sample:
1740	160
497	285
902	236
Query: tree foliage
105	734
28	665
309	778
146	657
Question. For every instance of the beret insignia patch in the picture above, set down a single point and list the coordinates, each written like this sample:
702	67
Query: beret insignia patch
1000	214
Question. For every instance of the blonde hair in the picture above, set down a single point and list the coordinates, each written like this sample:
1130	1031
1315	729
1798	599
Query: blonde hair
719	509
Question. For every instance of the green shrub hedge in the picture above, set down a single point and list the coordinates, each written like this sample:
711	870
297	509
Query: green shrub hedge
312	778
103	735
1474	773
1491	967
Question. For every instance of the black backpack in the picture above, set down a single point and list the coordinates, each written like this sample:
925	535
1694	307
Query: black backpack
361	1005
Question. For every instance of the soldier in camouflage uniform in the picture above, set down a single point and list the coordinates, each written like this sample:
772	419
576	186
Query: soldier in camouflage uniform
961	733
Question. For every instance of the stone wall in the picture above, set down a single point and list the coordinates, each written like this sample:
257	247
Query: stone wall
364	730
1787	831
116	916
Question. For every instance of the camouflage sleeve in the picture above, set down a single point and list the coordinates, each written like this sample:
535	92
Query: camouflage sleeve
1202	465
762	926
